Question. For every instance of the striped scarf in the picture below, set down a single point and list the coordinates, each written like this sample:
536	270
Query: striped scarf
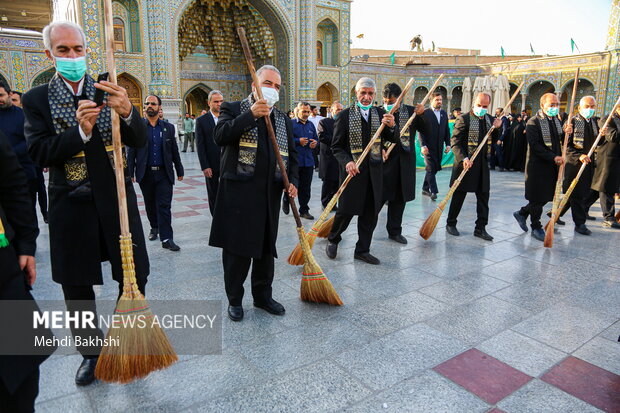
579	130
544	127
473	138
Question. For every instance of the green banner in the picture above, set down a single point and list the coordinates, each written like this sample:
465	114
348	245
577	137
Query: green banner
447	160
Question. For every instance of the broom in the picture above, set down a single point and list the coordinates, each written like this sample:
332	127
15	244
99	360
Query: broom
140	350
322	228
573	184
412	117
315	286
431	222
548	243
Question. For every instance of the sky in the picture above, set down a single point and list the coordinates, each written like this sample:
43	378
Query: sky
482	24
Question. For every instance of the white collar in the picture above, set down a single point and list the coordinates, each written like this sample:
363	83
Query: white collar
80	86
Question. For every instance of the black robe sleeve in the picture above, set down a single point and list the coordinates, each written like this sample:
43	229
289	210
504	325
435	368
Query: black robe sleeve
459	139
340	140
232	124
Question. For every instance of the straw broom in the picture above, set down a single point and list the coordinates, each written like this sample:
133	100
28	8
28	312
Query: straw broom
431	222
141	350
548	243
573	184
321	227
315	286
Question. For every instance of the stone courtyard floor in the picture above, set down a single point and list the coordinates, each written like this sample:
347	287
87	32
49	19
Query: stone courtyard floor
453	324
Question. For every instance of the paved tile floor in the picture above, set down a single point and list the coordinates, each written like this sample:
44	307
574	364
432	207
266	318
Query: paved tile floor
445	325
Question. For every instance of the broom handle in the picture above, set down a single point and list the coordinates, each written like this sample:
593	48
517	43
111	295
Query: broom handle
116	128
412	117
583	165
458	180
270	132
558	184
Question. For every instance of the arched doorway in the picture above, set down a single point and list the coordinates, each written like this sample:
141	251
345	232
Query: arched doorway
419	94
196	99
134	91
327	34
457	98
584	88
44	77
534	93
209	49
326	94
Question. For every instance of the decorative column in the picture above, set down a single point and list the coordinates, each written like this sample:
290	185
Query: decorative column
92	23
523	100
449	106
345	52
613	46
307	48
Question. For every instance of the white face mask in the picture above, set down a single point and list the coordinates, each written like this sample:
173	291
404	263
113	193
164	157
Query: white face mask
587	113
270	95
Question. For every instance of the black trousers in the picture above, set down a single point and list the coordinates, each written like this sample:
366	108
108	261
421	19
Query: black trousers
395	211
157	191
482	208
236	270
430	182
607	205
580	206
534	210
305	187
82	298
213	184
366	224
328	190
188	138
21	400
497	156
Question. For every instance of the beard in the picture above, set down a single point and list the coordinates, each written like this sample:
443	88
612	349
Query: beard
5	105
150	113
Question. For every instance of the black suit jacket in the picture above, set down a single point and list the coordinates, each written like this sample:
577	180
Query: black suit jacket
84	232
208	151
435	136
137	158
328	167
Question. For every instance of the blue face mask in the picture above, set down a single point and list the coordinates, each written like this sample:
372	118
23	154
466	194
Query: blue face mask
587	113
335	116
552	111
364	107
71	69
479	111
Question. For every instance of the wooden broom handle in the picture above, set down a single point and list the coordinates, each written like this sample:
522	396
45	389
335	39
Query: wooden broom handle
570	117
116	128
272	136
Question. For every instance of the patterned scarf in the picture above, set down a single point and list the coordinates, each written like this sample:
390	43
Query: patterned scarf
579	130
544	127
62	108
473	139
355	133
405	141
249	142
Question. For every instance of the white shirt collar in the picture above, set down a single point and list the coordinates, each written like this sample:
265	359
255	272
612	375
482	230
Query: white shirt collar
214	117
80	86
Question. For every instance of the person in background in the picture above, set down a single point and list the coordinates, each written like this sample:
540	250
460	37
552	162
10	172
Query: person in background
16	98
328	170
306	140
432	141
188	132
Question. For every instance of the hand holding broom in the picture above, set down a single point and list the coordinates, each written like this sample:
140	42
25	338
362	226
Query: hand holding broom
573	184
141	350
322	228
431	222
314	284
548	242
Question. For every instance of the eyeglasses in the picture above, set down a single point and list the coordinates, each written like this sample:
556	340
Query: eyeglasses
150	104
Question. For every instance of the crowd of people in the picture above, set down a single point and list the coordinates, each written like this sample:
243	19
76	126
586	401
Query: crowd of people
63	130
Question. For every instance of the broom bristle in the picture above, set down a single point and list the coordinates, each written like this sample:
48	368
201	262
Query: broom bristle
326	227
296	256
317	288
426	230
140	350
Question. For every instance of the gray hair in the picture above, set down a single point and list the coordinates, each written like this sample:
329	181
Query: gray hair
267	67
47	32
482	94
214	92
365	82
587	97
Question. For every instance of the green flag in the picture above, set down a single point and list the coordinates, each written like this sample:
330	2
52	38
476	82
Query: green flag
532	49
393	58
503	54
573	46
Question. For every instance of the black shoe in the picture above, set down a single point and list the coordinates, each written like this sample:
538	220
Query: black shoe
271	306
433	196
590	217
153	235
306	215
558	221
367	257
286	207
183	151
425	192
611	224
235	312
170	245
538	233
521	220
331	249
398	238
451	229
583	230
482	233
86	372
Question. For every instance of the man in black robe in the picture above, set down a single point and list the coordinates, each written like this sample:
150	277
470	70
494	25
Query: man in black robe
399	168
68	133
606	179
432	141
544	136
328	168
469	131
353	131
245	220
